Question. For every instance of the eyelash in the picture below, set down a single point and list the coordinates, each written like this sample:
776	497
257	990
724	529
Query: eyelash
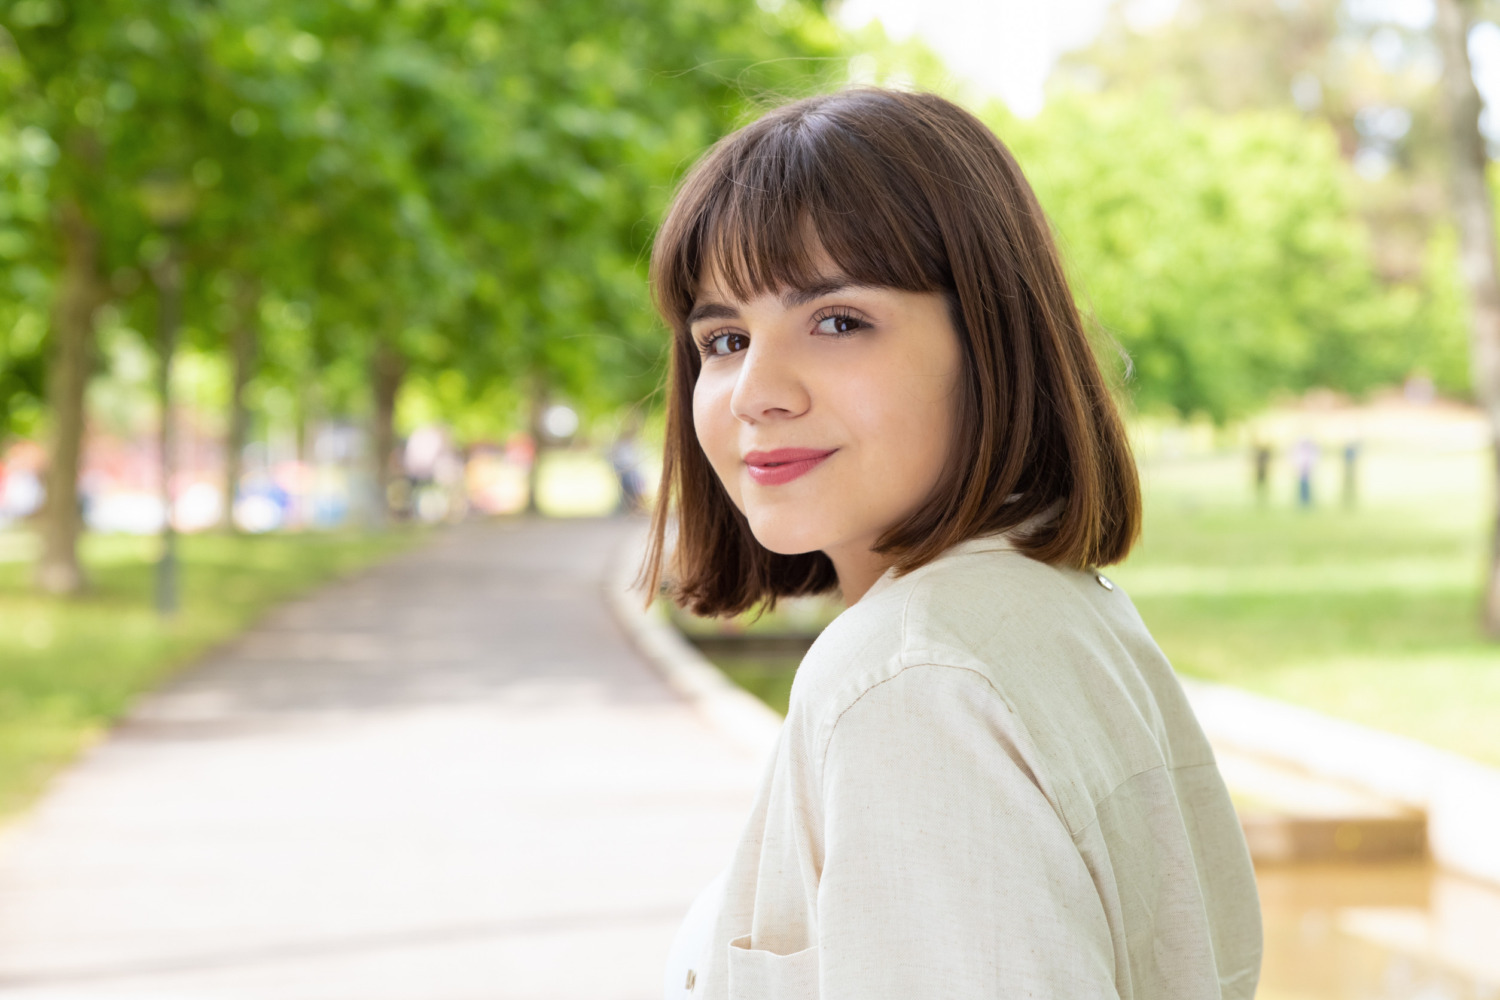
706	342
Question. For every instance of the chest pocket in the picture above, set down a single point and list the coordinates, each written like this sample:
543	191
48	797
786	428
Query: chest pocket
755	974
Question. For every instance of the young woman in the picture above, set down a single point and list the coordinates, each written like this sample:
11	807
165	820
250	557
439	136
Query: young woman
989	783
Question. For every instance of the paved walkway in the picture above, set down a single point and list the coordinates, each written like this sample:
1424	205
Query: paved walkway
447	778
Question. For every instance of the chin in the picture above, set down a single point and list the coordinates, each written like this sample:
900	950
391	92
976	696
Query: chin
786	536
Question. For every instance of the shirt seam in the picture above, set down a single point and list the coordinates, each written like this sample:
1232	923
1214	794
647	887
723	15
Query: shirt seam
833	728
1163	766
1094	804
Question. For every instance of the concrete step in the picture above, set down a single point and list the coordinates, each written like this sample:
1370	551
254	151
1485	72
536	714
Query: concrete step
1460	798
1290	815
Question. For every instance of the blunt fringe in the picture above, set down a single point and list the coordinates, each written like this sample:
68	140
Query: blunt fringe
905	191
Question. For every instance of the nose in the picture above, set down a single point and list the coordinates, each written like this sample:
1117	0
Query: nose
769	386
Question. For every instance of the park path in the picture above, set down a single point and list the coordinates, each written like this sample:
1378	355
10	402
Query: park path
449	777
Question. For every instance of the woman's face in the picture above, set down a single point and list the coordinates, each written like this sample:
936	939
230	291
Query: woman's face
828	414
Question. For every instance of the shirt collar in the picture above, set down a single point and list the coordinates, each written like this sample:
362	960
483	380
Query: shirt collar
999	541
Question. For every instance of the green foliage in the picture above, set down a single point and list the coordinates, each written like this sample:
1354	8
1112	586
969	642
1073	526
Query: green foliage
603	107
26	156
1348	71
473	185
1442	317
1221	251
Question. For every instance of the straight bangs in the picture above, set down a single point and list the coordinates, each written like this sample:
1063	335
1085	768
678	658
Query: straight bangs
759	211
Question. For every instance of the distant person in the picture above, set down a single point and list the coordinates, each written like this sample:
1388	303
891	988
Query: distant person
1305	462
989	782
1262	455
1351	473
23	490
625	460
422	452
1419	389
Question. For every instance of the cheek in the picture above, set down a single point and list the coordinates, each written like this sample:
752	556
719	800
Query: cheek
909	412
713	422
903	405
934	393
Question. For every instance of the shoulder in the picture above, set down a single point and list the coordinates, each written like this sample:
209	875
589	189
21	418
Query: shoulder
986	608
970	610
1057	664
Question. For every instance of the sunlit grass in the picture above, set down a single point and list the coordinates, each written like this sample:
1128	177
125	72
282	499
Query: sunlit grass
68	668
1369	613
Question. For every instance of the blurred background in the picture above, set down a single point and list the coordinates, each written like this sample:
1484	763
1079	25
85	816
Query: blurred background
287	288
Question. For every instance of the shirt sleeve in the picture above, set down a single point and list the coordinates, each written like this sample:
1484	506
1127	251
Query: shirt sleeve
946	872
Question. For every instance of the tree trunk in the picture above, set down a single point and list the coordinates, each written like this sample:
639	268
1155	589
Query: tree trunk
387	369
1479	259
538	437
308	407
80	292
167	274
243	338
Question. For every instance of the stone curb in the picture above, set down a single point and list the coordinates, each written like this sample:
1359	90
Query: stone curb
733	712
1460	797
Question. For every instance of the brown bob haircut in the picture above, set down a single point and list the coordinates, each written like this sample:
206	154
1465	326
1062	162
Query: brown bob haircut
905	191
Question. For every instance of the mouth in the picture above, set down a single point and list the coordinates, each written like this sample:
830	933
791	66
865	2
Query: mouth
772	468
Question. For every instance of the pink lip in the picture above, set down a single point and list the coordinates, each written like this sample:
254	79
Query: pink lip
772	468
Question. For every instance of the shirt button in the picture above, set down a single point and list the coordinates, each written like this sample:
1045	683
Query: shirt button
692	977
1104	581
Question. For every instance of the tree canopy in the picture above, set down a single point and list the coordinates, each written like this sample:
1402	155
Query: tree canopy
1224	253
353	200
472	185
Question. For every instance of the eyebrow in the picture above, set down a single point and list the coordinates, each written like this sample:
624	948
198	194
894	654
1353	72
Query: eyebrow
790	298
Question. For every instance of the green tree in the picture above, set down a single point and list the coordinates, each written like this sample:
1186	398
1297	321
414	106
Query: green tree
26	156
1220	250
1343	67
63	87
548	172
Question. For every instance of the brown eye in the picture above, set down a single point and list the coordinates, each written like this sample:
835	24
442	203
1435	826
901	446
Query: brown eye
725	343
840	325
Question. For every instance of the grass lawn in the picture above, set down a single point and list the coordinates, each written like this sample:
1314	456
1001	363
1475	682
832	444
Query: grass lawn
68	668
1367	613
1370	614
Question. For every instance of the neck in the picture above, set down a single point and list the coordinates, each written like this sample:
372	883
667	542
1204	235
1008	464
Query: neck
858	568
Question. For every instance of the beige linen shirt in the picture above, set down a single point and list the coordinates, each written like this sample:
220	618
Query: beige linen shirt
989	784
